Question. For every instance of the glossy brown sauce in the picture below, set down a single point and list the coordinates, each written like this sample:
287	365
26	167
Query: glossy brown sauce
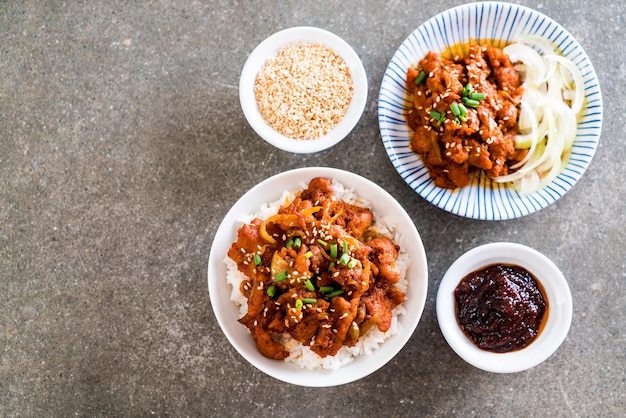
501	307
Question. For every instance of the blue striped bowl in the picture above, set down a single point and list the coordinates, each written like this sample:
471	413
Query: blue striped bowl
482	198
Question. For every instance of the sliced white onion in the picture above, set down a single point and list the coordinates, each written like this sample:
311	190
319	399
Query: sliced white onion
579	90
553	96
518	52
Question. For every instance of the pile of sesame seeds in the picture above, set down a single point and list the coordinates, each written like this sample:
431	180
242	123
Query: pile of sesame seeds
304	90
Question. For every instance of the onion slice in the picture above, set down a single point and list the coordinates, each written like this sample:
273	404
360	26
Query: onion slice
553	97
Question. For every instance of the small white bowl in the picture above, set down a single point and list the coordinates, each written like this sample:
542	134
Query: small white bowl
227	312
269	48
556	290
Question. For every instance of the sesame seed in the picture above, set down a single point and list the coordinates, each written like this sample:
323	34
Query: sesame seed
304	91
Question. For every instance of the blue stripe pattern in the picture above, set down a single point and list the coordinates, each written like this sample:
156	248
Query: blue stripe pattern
483	199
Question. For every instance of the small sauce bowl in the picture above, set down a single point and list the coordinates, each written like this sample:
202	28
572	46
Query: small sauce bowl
269	48
557	320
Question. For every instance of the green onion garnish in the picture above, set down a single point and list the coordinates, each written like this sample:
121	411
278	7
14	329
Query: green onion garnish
345	246
352	263
462	109
298	303
343	260
271	291
435	115
470	102
322	242
331	266
309	300
477	96
281	276
289	243
326	289
420	78
309	285
257	260
335	293
468	89
455	109
308	254
333	250
297	242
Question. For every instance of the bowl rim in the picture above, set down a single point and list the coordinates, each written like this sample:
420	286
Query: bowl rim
556	291
227	312
484	199
270	47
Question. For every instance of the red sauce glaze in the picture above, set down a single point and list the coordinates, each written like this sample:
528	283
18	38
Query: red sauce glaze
501	308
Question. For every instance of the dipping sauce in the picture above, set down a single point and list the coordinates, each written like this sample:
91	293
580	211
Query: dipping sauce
501	307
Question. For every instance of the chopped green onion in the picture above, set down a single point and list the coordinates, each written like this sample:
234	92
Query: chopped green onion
420	78
298	303
463	118
308	254
335	293
470	102
322	242
309	285
326	289
455	109
345	246
271	291
477	96
297	242
345	257
281	276
331	266
257	260
462	109
468	89
333	250
289	243
435	115
352	263
309	300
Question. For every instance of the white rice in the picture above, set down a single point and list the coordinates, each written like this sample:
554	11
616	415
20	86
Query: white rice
301	355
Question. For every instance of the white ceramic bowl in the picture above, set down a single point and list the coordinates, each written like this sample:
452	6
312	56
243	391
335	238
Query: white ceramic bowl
270	47
227	313
556	291
482	198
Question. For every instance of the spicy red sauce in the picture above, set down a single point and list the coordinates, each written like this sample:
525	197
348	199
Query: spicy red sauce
501	307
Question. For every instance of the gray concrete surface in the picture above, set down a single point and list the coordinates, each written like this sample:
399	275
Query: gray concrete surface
122	146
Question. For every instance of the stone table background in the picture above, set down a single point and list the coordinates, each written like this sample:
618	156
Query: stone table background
123	145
